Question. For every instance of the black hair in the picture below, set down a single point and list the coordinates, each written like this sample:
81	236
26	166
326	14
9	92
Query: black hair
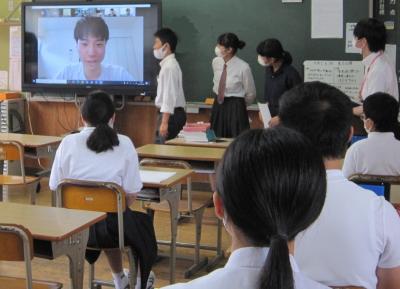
321	112
167	35
91	25
374	31
383	109
97	110
273	48
230	40
273	186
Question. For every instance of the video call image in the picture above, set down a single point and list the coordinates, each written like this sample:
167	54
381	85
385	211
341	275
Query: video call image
90	45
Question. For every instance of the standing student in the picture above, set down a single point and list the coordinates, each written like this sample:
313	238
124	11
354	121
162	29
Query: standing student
98	153
280	75
379	76
233	87
281	194
379	153
170	97
354	241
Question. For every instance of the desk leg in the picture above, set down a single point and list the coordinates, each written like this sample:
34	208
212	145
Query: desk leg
173	201
74	247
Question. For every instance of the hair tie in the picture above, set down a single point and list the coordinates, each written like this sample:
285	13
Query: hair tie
279	237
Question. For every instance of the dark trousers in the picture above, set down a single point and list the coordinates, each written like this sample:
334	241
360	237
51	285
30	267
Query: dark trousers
175	124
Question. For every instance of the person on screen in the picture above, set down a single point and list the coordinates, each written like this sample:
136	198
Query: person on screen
91	35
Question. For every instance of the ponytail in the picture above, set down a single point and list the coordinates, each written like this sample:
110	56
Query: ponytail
287	57
277	272
102	139
98	110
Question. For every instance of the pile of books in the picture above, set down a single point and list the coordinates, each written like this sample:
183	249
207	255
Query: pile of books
198	132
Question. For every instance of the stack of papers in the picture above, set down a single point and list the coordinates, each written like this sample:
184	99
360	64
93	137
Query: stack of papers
154	177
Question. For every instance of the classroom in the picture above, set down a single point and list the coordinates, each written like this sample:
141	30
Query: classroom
177	144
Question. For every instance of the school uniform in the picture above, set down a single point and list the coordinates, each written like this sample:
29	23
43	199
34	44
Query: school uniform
229	117
243	270
170	97
74	160
379	76
375	155
276	83
356	232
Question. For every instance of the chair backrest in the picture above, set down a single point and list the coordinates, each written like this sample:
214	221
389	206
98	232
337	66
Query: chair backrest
376	183
172	164
93	196
16	245
13	151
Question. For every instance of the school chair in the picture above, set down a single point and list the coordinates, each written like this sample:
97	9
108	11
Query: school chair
188	208
17	245
103	197
379	184
14	151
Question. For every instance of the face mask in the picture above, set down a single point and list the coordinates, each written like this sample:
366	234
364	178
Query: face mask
218	52
261	61
159	53
111	123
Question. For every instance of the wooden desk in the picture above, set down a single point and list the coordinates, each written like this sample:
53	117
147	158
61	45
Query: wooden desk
65	231
223	144
197	157
177	152
168	191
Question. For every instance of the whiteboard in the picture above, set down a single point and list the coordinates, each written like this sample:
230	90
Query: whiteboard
344	75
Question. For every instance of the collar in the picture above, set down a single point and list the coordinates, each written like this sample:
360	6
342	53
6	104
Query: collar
87	129
230	61
166	59
368	60
279	71
334	175
253	257
377	134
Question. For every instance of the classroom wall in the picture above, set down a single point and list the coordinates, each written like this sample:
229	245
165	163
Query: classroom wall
198	24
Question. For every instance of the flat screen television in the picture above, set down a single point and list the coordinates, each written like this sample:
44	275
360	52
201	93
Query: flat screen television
76	47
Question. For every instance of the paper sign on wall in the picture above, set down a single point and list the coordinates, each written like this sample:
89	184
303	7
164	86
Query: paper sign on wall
327	19
349	39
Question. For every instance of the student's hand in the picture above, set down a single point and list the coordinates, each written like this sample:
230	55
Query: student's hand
274	121
358	110
163	130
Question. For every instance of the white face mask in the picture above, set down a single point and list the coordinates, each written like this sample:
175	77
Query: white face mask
159	53
111	123
218	52
261	61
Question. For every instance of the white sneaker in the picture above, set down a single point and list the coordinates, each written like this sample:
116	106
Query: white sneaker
150	281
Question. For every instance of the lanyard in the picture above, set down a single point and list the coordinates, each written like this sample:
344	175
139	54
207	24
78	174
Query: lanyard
366	74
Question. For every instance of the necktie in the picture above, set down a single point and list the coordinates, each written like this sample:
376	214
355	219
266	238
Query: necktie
222	86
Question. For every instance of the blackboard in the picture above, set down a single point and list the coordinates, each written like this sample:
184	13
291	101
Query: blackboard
199	23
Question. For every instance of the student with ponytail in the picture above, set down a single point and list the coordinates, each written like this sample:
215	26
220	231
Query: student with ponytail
280	75
376	155
233	88
271	185
98	153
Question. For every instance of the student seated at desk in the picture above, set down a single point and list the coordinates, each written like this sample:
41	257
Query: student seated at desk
379	153
354	241
280	194
98	153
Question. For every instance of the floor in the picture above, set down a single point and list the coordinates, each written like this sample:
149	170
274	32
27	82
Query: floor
57	270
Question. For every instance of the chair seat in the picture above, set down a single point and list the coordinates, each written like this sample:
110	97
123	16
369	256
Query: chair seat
20	283
183	206
16	180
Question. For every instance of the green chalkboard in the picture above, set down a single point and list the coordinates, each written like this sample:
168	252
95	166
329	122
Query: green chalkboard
199	23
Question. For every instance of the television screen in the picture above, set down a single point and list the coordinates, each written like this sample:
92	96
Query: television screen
76	47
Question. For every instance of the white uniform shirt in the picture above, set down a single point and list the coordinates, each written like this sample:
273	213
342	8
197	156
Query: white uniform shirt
170	88
239	79
243	271
356	232
109	72
76	161
379	76
379	154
